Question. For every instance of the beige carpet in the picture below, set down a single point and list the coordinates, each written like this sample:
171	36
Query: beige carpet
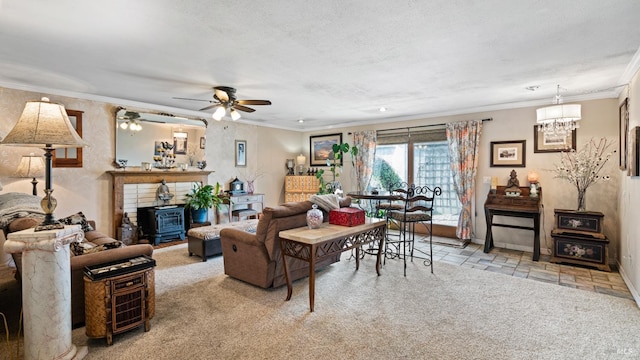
458	313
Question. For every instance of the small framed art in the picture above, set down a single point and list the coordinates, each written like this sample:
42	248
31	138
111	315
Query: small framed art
508	153
544	142
320	148
241	153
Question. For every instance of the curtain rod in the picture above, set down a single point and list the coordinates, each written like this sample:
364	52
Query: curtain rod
419	126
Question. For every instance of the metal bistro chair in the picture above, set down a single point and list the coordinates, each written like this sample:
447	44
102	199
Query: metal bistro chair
417	208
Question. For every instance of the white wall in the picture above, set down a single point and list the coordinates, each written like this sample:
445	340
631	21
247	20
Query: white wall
629	198
599	119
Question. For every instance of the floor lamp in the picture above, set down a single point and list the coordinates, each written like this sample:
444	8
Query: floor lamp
45	125
31	166
46	267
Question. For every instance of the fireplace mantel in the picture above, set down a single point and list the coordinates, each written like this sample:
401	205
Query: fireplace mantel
121	177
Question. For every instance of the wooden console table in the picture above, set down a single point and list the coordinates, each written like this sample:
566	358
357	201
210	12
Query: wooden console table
522	206
313	245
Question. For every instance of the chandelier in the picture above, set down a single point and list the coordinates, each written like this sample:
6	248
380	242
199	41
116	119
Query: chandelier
559	119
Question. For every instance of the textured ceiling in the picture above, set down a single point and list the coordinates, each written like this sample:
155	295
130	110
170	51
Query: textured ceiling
327	62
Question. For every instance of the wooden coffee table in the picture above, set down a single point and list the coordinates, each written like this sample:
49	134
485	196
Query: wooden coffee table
313	245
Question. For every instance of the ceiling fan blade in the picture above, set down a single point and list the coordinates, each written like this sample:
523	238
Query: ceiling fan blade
181	98
243	108
209	107
221	95
254	102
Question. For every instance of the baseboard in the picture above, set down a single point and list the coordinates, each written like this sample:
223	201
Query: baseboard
627	281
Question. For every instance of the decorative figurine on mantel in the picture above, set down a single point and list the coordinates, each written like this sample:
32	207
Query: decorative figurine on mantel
163	194
513	186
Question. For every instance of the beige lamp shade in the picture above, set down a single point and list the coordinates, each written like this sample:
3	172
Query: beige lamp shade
31	166
301	159
44	124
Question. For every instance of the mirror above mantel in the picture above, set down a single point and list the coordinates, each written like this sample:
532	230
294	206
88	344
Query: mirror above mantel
145	136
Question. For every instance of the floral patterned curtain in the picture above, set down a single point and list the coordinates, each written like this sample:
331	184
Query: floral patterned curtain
365	141
464	139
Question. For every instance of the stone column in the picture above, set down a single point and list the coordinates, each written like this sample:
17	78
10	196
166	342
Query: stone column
46	291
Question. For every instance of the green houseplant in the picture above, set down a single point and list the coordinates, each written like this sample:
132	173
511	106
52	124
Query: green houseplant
200	199
338	151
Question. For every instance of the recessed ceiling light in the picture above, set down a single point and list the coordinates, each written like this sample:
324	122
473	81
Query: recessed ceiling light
383	109
300	121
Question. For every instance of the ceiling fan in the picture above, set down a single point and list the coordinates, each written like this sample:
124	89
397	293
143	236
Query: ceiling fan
224	99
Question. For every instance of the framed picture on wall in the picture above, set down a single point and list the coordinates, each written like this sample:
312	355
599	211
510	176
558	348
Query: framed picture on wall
623	130
320	148
241	153
508	153
180	143
543	142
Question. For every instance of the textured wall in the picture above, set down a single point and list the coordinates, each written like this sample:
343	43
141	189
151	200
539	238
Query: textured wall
88	189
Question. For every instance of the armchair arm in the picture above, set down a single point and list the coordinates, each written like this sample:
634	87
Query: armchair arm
79	262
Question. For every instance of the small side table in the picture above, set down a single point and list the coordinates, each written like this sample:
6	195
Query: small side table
119	301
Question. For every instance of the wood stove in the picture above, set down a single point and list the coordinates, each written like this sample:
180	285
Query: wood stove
162	223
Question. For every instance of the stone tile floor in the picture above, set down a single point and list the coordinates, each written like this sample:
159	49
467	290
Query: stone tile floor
520	264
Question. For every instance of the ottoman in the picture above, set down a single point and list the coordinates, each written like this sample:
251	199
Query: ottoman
204	241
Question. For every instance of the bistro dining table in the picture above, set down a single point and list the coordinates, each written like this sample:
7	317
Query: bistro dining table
373	201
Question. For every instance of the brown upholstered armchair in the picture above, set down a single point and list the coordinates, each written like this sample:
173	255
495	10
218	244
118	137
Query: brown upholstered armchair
256	258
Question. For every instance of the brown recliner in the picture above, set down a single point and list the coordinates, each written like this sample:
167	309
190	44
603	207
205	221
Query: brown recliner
256	258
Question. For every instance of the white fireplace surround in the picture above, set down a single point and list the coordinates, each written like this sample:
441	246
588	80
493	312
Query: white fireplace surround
144	195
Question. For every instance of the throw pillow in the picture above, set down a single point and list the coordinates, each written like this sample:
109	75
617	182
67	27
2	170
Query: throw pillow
77	219
326	202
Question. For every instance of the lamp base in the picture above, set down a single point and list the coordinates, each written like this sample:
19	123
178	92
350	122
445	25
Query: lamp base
49	204
49	223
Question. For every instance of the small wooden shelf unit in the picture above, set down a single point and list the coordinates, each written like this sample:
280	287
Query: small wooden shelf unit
300	187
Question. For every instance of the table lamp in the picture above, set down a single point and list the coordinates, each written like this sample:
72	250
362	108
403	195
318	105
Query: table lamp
31	166
45	125
300	160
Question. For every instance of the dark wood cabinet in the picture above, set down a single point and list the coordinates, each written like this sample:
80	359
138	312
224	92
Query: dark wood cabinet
578	239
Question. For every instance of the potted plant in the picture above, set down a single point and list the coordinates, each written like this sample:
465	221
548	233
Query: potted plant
338	153
202	198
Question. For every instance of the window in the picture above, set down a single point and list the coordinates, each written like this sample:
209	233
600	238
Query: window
70	157
429	165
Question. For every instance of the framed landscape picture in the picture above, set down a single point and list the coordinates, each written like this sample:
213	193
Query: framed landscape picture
543	142
508	153
320	148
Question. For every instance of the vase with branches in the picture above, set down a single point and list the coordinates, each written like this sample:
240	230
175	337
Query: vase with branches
583	168
250	177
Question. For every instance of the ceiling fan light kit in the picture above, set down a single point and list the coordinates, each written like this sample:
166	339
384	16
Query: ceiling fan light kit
559	119
224	98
